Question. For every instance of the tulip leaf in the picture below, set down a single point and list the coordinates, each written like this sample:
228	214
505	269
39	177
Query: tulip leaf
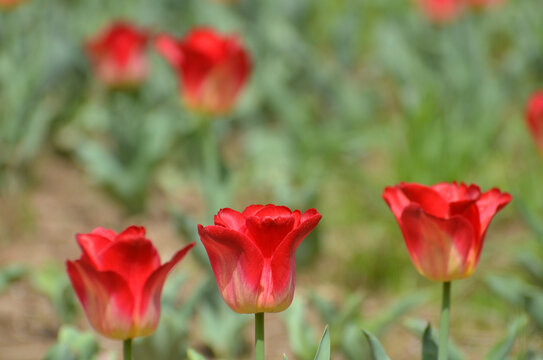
194	355
417	327
377	350
429	346
323	352
501	350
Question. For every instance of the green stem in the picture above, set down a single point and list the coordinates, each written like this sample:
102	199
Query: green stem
444	325
259	336
127	349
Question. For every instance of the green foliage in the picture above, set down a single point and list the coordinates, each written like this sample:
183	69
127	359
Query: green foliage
429	345
323	352
193	355
73	345
377	351
10	274
429	336
502	349
52	281
345	322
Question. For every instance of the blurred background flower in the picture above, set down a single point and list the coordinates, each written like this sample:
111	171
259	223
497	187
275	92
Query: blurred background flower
212	68
118	55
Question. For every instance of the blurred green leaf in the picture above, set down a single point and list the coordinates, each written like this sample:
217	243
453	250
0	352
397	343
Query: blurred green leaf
429	346
509	288
502	349
392	313
301	338
52	281
377	351
10	274
323	352
73	345
418	327
193	355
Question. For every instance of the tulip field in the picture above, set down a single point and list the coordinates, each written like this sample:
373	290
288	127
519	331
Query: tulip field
271	179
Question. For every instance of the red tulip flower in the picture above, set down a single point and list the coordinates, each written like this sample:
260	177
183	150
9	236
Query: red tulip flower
441	11
118	55
212	68
119	280
534	118
252	255
444	225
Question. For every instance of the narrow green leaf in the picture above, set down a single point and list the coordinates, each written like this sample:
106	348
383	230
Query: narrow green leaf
377	351
501	350
194	355
285	357
417	327
429	346
323	353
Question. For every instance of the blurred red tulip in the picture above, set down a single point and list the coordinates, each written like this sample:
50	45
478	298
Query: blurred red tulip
441	11
10	4
212	68
534	118
119	280
252	255
118	55
444	225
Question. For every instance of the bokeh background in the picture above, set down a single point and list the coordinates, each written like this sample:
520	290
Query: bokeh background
345	98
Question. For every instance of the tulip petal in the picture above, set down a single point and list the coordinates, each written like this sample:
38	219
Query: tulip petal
273	211
106	298
268	232
452	192
92	245
428	198
132	232
252	210
231	219
439	248
134	258
168	47
106	233
283	264
149	306
489	204
237	264
207	43
396	200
